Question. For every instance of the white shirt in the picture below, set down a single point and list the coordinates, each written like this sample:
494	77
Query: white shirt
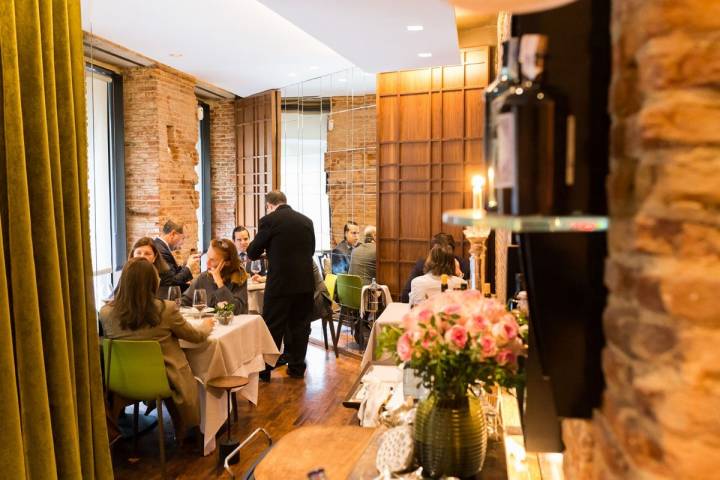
428	285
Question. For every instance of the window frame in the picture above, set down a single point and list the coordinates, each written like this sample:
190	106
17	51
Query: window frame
206	211
116	136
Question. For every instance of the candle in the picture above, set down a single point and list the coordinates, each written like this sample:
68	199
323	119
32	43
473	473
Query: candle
492	202
478	181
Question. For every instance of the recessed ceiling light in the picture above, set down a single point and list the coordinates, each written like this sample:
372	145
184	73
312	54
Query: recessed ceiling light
415	28
342	79
175	55
313	67
425	55
292	74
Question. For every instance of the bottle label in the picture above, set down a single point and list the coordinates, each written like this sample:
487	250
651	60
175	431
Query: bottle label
570	152
505	174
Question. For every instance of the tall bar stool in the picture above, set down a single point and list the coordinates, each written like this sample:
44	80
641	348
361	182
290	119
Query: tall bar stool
228	383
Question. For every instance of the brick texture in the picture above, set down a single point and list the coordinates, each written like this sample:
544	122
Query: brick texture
660	416
161	131
223	167
351	163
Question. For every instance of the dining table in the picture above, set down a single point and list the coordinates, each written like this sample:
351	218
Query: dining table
392	316
256	295
240	348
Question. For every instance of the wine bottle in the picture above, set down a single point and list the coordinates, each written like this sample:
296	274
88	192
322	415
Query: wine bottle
498	89
531	137
443	282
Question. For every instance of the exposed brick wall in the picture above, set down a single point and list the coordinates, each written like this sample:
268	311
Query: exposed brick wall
351	163
161	131
660	417
223	167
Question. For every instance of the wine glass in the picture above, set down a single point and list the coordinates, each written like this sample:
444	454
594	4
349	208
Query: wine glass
174	295
256	266
200	300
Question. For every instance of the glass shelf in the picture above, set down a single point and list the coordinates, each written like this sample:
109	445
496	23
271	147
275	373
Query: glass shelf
527	223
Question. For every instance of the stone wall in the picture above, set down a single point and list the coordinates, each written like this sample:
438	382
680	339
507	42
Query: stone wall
660	417
351	163
223	167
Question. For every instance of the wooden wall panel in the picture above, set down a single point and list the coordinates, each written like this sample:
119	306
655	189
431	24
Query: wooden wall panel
258	154
430	128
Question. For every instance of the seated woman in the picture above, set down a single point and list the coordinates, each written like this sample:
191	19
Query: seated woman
225	279
241	239
145	247
439	262
135	314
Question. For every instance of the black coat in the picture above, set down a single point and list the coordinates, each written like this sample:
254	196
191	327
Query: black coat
176	275
288	238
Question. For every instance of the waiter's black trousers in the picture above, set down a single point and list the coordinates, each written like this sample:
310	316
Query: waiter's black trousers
287	319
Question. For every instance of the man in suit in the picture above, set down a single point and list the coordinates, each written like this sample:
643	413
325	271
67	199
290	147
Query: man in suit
362	260
171	239
288	239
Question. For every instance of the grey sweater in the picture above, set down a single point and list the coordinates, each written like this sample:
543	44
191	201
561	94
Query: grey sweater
231	293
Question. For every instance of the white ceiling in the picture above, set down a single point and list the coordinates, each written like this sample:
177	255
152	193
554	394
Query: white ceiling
245	47
373	33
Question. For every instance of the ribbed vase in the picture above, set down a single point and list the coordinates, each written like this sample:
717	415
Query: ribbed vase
450	436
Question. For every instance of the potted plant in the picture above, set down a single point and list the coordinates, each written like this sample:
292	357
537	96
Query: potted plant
224	312
452	341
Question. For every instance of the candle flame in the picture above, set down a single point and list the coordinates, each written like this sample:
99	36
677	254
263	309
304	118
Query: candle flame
478	181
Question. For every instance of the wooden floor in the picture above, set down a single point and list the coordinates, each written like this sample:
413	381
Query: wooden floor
283	404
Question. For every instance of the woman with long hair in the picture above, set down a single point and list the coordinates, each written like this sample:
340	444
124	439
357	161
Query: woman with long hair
440	261
136	314
225	279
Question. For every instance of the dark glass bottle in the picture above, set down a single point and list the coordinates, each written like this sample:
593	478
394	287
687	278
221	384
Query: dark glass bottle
507	78
531	137
443	282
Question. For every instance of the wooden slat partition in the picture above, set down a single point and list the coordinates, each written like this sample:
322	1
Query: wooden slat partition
430	143
258	154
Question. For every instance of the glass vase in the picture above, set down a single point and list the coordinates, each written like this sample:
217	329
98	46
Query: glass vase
450	436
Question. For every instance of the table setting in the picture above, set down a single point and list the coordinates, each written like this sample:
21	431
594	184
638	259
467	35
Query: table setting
240	345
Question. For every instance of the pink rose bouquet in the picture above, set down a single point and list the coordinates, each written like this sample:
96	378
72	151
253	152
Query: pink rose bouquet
456	339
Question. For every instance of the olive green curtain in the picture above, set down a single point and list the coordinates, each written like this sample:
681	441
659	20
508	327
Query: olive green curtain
52	417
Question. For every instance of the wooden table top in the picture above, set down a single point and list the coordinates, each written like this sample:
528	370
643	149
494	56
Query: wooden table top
335	448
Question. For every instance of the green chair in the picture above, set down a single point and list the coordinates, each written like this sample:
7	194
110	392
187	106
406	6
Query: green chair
135	369
349	288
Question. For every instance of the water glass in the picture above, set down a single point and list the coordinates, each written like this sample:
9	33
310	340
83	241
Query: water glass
256	266
200	300
174	295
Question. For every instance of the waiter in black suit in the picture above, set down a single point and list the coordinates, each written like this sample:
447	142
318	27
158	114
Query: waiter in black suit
171	239
288	239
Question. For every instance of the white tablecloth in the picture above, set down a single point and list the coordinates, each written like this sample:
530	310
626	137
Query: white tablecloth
392	315
256	295
241	348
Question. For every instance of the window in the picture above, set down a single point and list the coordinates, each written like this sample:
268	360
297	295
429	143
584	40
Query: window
103	91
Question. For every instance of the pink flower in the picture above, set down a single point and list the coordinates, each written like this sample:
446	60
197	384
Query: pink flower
430	339
456	336
489	347
498	331
506	357
477	324
404	347
452	309
424	315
